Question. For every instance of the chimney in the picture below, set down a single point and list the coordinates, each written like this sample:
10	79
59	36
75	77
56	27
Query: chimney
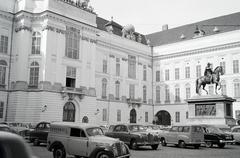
165	27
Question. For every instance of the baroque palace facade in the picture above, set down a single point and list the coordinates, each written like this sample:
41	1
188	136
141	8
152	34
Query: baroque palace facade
59	61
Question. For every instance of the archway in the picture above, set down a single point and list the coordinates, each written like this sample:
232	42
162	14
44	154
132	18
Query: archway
163	118
69	112
133	116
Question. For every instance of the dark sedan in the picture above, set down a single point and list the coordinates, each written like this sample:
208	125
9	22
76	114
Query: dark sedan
134	135
40	133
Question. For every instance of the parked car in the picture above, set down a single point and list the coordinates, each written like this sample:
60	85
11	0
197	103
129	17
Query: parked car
186	135
134	135
155	129
235	131
6	128
213	135
104	128
22	129
40	133
83	140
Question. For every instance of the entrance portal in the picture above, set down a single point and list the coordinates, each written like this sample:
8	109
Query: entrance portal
133	116
163	118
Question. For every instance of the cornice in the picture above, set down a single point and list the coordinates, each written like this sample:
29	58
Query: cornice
198	51
6	16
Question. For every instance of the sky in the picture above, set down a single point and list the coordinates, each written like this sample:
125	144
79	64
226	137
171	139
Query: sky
148	16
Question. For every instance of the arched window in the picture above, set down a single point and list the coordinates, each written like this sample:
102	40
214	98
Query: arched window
158	94
144	94
69	112
117	87
133	116
36	43
104	88
3	67
85	119
34	74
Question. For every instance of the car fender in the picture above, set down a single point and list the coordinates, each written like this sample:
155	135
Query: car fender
98	149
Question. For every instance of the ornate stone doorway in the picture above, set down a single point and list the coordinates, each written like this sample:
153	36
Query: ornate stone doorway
133	116
69	112
163	118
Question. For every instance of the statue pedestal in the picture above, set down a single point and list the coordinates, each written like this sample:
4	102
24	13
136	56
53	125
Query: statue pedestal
211	109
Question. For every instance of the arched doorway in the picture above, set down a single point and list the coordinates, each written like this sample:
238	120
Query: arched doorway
85	119
69	112
163	118
133	116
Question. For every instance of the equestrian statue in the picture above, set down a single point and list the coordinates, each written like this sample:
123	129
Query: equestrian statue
210	77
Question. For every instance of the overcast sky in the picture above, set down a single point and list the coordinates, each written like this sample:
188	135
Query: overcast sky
148	16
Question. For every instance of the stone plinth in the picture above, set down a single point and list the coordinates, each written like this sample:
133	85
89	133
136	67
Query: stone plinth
211	109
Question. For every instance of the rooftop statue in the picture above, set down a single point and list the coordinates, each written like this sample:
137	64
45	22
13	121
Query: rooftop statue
210	77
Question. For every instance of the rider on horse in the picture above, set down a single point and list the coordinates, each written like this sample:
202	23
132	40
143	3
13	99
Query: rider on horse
208	72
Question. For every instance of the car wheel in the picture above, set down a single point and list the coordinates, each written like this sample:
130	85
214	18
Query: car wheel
197	146
36	142
133	145
181	144
209	144
154	147
163	142
59	152
221	145
103	154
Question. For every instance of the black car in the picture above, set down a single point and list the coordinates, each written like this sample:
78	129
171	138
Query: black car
213	135
40	133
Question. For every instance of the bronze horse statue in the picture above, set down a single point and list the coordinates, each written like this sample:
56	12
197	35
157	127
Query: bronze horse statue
203	80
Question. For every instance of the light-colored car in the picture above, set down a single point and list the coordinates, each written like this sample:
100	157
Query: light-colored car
186	135
83	140
155	129
235	131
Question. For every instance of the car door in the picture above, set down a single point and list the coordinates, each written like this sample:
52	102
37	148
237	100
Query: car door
125	134
77	142
172	135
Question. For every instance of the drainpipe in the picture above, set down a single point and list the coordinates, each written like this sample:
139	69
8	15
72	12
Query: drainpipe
10	62
152	79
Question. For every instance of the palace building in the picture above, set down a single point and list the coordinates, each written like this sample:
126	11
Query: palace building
59	61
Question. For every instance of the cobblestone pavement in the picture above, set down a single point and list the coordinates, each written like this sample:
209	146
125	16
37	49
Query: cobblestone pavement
230	151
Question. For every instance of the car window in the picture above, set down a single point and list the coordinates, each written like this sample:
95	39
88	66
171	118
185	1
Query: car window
94	131
117	129
135	128
47	125
180	129
236	130
186	129
40	126
196	129
124	129
174	129
75	132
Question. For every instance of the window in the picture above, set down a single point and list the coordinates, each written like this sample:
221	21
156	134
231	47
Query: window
75	132
187	72
4	44
176	73
3	67
36	43
117	67
69	112
144	94
104	66
188	92
177	94
118	115
237	89
132	67
144	73
72	43
1	109
228	109
210	90
167	95
34	74
117	87
224	89
223	66
104	88
131	91
146	116
198	71
235	66
104	118
177	115
167	74
157	94
71	77
157	76
187	115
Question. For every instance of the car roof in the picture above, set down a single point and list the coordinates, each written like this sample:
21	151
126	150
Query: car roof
73	124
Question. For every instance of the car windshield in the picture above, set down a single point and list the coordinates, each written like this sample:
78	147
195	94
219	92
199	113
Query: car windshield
94	131
135	128
212	129
4	129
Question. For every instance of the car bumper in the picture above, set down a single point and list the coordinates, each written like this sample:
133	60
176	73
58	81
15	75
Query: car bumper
227	141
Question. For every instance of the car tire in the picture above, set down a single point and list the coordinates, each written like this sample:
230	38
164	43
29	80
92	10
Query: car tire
197	146
221	145
36	142
209	144
154	147
163	142
103	154
133	145
181	144
59	152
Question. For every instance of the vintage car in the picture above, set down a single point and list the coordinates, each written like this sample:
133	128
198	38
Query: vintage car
155	129
83	140
134	135
213	135
235	131
13	146
185	135
40	133
6	128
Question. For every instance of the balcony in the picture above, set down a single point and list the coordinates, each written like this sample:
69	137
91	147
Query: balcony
71	93
134	102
